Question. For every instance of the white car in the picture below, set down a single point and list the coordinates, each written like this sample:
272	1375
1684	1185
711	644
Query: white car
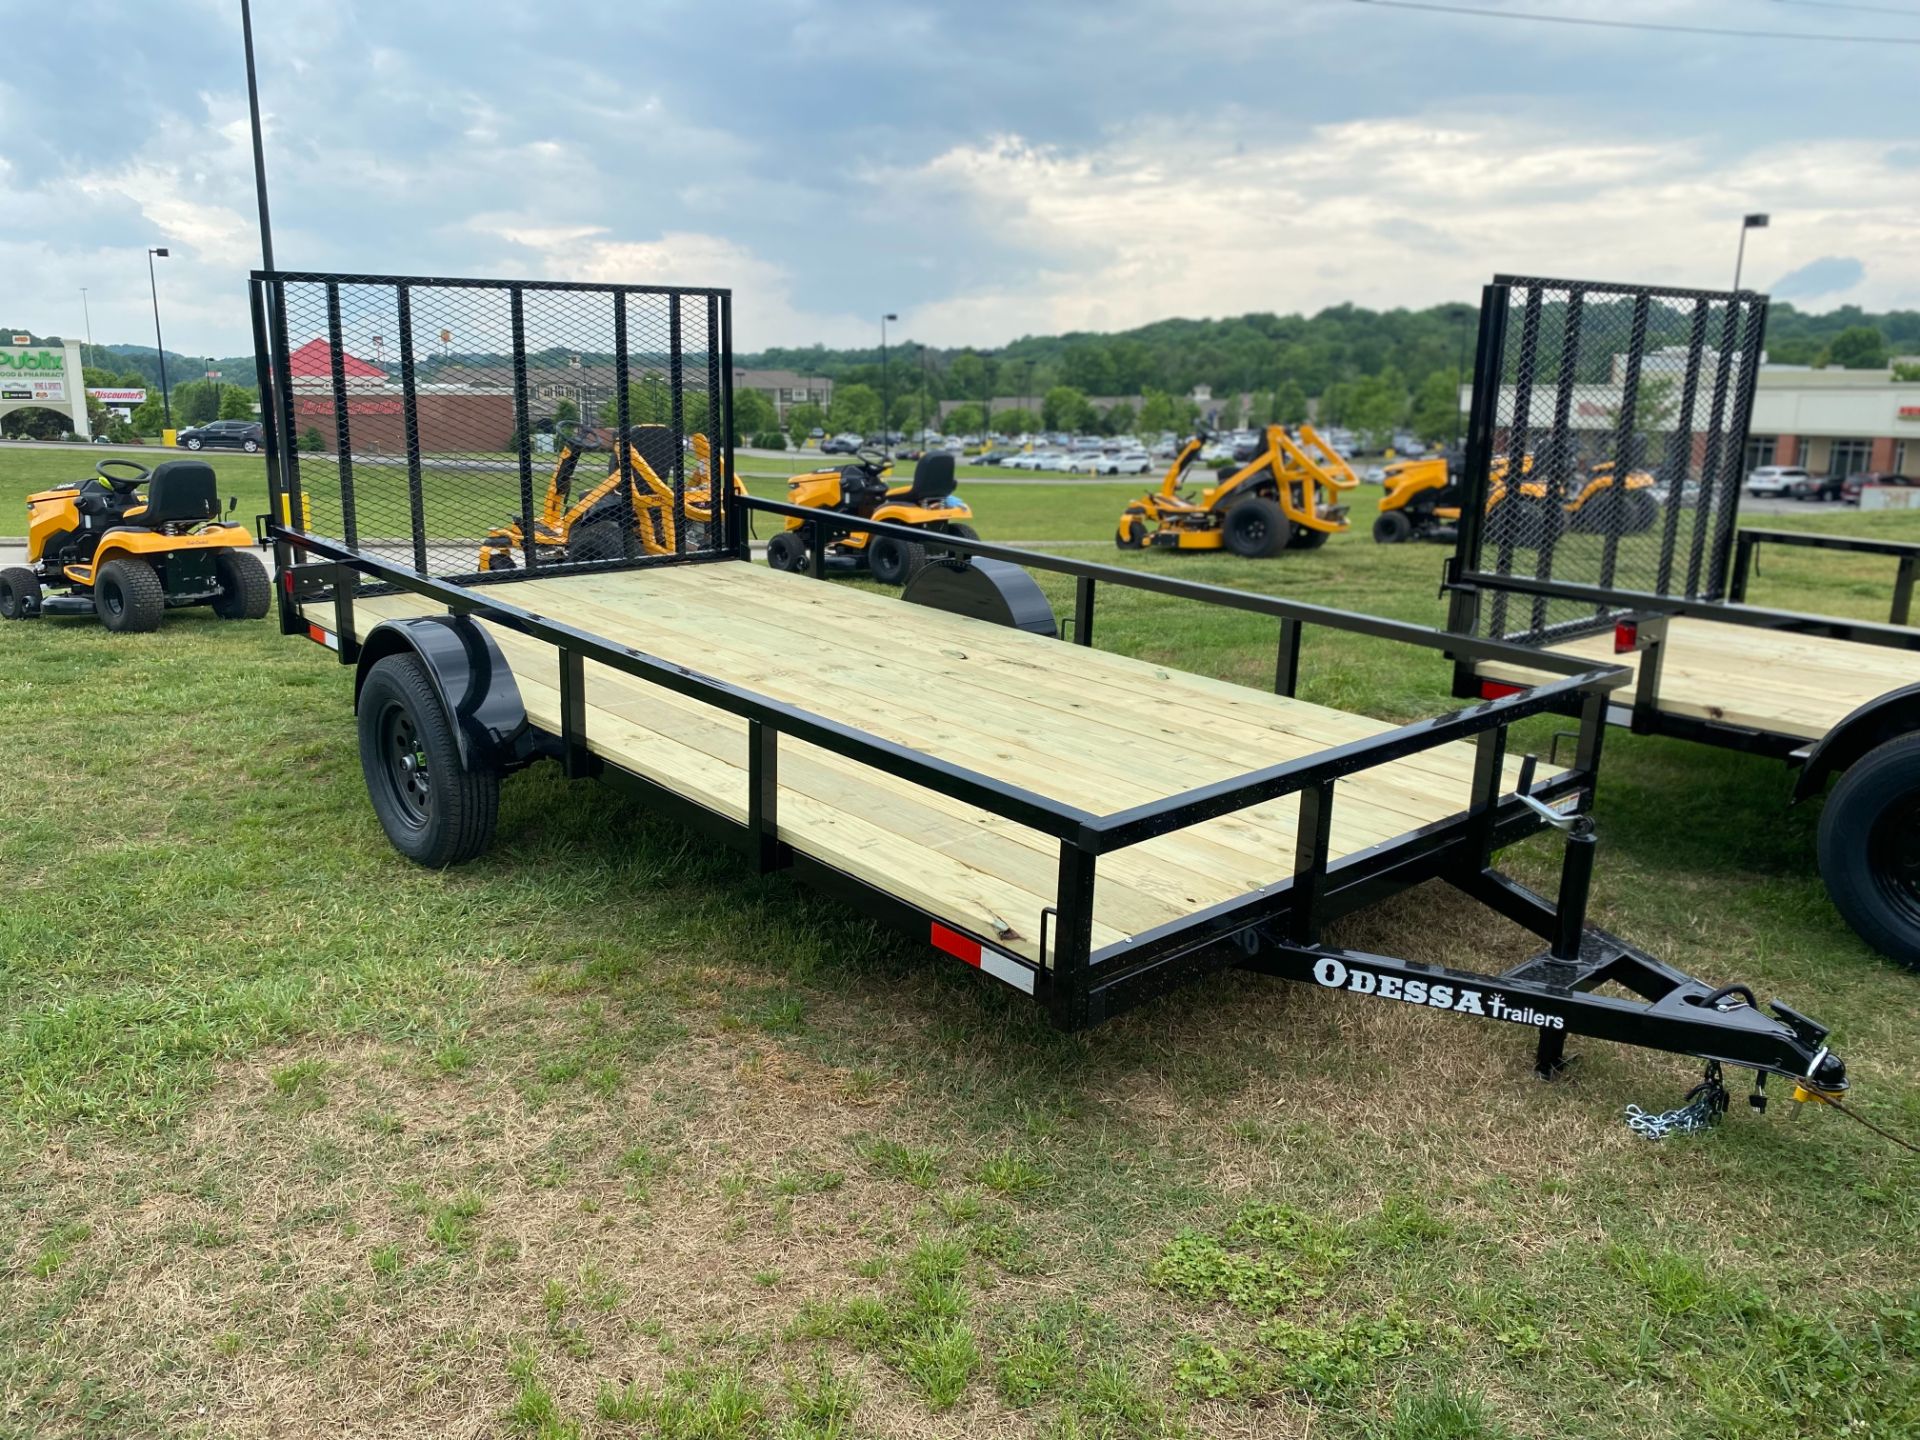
1120	462
1779	480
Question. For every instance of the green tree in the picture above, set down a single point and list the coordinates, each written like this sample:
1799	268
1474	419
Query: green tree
1436	409
1907	373
1289	403
1160	411
1015	421
856	409
148	417
968	374
963	419
1118	420
1858	347
1231	414
753	412
804	419
195	403
565	412
1066	408
236	402
1376	406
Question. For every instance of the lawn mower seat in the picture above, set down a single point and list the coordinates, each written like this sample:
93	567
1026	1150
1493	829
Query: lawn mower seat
179	492
933	479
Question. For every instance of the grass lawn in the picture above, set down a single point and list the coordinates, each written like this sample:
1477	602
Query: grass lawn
602	1135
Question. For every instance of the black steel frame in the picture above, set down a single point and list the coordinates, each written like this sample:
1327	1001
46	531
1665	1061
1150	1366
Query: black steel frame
1276	929
1717	567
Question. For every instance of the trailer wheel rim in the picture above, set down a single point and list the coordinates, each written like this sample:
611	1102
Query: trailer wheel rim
1893	852
409	781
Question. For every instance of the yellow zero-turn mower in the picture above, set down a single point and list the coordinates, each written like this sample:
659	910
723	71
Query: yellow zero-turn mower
861	489
131	543
613	520
1272	503
1422	502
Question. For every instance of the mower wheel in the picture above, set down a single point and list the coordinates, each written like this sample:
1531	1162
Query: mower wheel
1132	534
245	590
893	561
599	541
963	530
1305	537
1392	528
19	593
128	596
435	810
787	551
1255	528
1869	848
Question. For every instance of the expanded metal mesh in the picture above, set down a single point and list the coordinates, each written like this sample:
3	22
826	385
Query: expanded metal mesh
1618	440
476	429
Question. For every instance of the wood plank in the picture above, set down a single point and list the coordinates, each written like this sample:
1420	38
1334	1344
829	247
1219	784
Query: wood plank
1779	681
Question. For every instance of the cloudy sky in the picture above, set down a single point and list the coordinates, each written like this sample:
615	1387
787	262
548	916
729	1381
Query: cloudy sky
987	170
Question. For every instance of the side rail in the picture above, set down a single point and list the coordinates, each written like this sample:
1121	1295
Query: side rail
1906	553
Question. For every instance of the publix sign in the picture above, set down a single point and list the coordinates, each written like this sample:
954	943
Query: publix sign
37	373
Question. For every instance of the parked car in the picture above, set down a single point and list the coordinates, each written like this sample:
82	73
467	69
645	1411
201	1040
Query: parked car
1823	487
1778	480
244	435
841	444
1851	486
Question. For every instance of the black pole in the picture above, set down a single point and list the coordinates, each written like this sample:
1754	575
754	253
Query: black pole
259	151
886	389
159	345
1459	374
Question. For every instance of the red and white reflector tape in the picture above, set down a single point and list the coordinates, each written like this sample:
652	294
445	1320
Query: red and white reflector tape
964	947
323	637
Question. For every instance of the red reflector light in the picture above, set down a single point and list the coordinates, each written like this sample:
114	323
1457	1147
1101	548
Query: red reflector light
286	580
316	634
955	944
1494	690
1626	636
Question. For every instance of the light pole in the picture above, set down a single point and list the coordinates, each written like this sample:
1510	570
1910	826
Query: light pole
166	404
88	314
213	377
886	389
1750	222
1459	374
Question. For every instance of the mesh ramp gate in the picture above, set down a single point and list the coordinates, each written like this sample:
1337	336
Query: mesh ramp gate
421	420
1607	449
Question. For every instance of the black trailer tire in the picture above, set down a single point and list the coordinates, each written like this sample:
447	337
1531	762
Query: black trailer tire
1255	529
245	590
435	810
128	596
1392	528
894	562
1870	848
19	593
598	541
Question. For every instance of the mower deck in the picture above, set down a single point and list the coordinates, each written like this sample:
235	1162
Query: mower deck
1775	681
1084	726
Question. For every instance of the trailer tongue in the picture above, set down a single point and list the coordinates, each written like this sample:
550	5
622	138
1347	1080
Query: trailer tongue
1003	795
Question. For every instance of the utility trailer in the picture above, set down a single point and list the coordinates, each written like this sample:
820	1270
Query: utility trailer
1572	372
950	763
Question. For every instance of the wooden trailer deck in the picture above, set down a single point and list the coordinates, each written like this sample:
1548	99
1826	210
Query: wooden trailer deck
1084	726
1778	681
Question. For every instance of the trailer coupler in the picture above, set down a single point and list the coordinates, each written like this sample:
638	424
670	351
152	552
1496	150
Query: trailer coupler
1552	995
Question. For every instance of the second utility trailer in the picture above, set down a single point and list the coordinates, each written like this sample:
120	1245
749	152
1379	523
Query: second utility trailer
950	764
1574	371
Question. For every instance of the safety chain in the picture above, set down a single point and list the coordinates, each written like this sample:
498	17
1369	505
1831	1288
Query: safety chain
1703	1106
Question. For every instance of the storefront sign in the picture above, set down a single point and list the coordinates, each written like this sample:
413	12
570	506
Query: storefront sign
33	372
110	396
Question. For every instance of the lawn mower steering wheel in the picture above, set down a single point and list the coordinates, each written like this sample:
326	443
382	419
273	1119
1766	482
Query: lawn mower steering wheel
872	456
123	484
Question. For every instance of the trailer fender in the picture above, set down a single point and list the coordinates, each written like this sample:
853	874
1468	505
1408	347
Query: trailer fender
1895	713
995	590
473	680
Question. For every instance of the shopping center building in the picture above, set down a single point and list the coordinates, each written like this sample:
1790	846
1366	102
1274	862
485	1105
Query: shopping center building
1835	422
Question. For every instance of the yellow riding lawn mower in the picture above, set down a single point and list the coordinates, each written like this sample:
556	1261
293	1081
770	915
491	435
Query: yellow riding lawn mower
1422	502
927	503
1272	503
130	544
611	520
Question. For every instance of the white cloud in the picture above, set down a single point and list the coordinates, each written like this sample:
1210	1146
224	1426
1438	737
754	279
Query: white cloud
1386	212
765	311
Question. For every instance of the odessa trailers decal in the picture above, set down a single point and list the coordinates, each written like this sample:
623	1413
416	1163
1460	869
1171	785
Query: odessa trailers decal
1460	999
